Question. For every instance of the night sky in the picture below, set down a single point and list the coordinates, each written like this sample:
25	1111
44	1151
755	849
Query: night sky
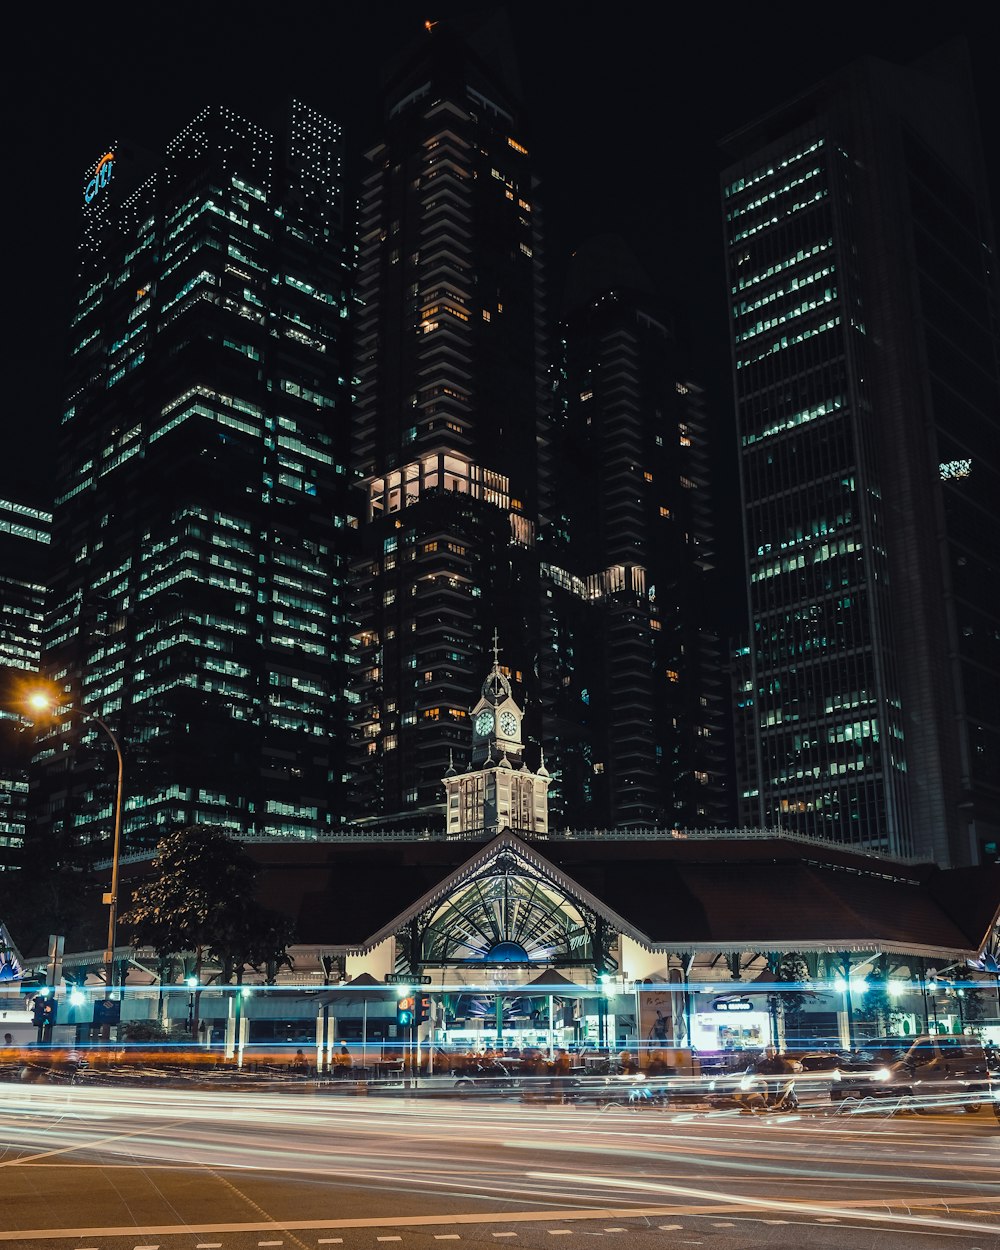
623	107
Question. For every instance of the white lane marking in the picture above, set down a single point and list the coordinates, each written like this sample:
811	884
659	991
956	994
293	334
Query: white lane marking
614	1230
330	1241
151	1247
208	1245
388	1239
259	1243
26	1235
669	1228
559	1232
722	1224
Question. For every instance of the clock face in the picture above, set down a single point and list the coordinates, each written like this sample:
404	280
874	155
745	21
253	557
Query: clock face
484	723
508	724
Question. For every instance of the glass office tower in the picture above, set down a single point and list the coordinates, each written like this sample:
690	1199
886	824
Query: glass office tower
25	533
446	424
200	532
863	300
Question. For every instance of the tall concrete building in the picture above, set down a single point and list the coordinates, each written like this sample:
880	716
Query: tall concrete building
200	533
636	731
864	310
25	533
447	426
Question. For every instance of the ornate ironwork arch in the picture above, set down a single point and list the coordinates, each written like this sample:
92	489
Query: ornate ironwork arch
508	913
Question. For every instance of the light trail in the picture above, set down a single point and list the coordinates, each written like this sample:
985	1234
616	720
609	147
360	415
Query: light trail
485	1156
861	1208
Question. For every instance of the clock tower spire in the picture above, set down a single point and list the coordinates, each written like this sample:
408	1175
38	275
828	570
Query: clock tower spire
498	792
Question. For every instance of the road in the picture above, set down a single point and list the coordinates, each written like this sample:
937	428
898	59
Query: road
134	1169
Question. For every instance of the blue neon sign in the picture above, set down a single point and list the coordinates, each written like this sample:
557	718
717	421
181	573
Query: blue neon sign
102	176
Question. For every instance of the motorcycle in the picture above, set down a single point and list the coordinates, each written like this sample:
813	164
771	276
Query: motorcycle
757	1095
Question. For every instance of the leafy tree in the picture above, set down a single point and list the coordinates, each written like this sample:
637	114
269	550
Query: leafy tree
876	1003
793	972
202	901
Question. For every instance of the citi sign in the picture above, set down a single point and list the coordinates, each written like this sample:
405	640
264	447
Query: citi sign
102	176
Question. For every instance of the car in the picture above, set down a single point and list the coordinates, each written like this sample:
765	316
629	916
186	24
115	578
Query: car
938	1068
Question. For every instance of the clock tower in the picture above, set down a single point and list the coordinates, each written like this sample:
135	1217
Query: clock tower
498	791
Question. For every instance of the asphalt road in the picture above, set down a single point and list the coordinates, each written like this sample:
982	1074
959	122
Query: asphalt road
136	1169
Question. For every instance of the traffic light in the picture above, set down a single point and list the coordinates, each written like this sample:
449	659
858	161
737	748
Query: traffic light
43	1011
423	1008
405	1011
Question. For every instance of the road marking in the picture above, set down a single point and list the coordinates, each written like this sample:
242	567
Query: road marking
505	1234
873	1208
559	1232
449	1237
388	1239
208	1245
668	1228
722	1224
151	1247
326	1241
259	1243
614	1230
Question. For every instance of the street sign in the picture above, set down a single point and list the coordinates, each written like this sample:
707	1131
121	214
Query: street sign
395	978
733	1004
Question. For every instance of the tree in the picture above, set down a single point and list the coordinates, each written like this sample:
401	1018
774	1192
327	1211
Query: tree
876	1003
792	971
202	901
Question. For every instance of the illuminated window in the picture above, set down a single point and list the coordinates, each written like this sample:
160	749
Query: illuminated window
672	675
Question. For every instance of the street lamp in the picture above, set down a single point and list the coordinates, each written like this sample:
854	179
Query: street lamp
41	701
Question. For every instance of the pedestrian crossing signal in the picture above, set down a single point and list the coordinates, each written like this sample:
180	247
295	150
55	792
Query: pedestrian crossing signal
405	1011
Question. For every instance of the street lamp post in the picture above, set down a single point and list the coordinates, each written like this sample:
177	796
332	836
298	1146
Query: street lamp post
43	702
112	898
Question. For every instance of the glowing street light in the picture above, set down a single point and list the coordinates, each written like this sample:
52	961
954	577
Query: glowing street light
43	702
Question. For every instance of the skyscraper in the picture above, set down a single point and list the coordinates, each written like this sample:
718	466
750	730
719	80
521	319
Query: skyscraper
634	702
25	533
200	533
446	423
864	313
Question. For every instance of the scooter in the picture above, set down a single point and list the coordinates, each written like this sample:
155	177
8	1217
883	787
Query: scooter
756	1098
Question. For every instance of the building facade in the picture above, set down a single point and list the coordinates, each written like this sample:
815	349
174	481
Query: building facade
864	314
25	534
200	531
635	721
446	420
